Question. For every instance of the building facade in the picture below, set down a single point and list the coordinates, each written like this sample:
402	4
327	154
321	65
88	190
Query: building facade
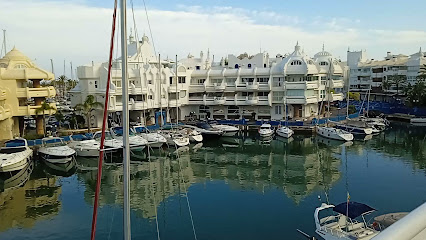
369	73
17	97
246	86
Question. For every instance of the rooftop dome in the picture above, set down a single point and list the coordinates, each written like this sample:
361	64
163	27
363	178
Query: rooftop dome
323	53
15	54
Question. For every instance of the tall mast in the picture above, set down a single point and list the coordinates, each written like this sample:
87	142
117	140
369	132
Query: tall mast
4	41
177	95
125	122
347	98
161	96
329	92
285	103
51	64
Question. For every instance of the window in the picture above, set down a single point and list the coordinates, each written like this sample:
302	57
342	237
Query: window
20	66
236	66
296	62
182	94
323	63
262	94
323	78
231	81
149	81
171	80
277	81
181	79
278	109
249	65
150	97
197	67
117	83
264	65
247	79
277	96
263	79
216	81
96	84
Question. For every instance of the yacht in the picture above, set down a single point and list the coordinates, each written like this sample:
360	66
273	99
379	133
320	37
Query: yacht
334	133
110	144
15	155
284	132
155	140
135	142
206	130
175	138
266	130
84	146
341	222
354	127
379	124
418	121
54	150
194	135
228	130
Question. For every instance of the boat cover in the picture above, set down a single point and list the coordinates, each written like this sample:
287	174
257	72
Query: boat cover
353	210
15	143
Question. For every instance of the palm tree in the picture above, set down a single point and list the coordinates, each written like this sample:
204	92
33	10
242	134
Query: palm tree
87	107
61	82
41	110
397	80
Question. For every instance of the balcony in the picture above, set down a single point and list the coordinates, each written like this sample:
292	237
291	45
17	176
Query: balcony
311	85
219	100
30	110
335	83
197	88
219	87
252	100
252	86
295	85
35	92
301	99
335	97
263	100
311	99
5	113
264	86
209	100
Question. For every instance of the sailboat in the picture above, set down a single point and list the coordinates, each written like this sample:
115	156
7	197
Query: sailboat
331	132
284	131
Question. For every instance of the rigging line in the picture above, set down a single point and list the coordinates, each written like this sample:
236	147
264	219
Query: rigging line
101	153
149	26
152	192
187	199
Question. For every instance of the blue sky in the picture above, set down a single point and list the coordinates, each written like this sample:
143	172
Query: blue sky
78	30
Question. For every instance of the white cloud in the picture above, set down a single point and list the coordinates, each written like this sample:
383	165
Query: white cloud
79	33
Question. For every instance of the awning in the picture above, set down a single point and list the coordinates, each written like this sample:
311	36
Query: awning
353	209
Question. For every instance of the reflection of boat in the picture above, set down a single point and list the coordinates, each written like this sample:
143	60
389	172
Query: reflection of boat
16	178
334	133
266	130
331	142
15	155
284	139
84	146
54	150
341	223
196	147
418	121
61	169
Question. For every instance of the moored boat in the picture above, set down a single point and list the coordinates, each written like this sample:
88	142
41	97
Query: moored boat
54	150
84	146
284	132
266	130
334	133
15	155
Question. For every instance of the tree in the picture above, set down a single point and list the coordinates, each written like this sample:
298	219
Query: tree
386	84
61	81
60	117
397	80
87	107
416	94
41	110
355	96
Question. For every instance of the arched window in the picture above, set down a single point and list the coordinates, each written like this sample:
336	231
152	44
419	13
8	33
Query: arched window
236	66
296	62
249	65
323	63
19	66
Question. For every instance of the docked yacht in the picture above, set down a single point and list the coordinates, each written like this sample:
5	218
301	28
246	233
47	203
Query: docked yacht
379	124
354	127
228	130
84	146
194	135
54	150
206	130
15	155
135	142
334	133
155	140
266	130
284	132
110	144
340	223
175	138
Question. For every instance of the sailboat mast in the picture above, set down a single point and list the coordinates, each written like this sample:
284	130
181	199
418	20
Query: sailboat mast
285	103
368	99
161	96
347	99
177	108
125	122
4	41
328	91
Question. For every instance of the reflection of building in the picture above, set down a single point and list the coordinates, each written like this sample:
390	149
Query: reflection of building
37	200
164	173
16	70
298	173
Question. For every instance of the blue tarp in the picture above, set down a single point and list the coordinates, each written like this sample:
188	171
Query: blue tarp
385	107
353	209
15	143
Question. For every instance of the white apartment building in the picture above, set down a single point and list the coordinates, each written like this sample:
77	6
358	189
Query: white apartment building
366	72
236	87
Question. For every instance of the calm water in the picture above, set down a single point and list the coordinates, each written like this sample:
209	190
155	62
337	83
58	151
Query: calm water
237	189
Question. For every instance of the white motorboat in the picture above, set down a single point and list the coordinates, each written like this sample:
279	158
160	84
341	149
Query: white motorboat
194	135
334	133
206	130
84	147
354	127
175	138
155	140
16	178
110	144
266	130
418	121
135	142
228	130
54	150
379	124
284	132
340	223
15	155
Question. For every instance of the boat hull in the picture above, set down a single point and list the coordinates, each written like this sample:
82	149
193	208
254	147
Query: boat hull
229	133
25	158
57	159
355	130
87	152
196	138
